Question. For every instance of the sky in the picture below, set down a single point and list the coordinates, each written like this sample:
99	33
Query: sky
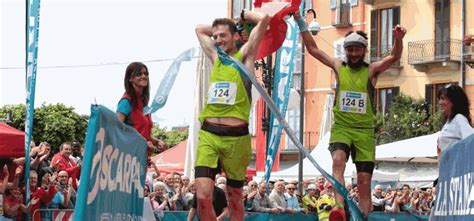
101	32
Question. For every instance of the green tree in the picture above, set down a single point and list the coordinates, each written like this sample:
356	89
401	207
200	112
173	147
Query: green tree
407	118
54	123
172	137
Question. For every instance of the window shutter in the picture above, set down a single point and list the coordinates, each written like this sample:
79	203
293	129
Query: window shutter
429	95
374	34
396	16
333	4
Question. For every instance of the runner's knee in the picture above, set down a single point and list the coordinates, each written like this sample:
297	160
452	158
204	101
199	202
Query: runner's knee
365	167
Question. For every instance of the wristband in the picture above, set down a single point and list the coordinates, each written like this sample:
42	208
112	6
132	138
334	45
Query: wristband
302	25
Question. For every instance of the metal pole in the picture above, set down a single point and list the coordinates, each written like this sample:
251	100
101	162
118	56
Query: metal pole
302	89
463	26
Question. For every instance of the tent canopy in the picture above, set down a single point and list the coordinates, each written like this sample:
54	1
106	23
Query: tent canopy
418	149
12	141
172	160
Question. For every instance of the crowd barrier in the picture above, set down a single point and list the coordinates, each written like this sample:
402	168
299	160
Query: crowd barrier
374	216
57	214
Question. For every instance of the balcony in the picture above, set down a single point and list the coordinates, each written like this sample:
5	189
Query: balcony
394	69
431	53
342	16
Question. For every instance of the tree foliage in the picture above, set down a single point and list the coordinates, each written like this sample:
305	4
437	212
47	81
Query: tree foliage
172	137
54	123
407	118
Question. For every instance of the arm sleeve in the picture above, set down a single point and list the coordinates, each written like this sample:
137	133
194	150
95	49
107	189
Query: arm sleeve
124	107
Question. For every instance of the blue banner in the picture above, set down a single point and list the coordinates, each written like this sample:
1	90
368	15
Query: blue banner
32	33
173	216
283	78
356	214
373	216
161	95
113	170
455	190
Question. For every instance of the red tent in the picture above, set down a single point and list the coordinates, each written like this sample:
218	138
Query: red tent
12	141
172	160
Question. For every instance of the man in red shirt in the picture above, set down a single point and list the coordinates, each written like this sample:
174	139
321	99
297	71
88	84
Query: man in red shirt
61	161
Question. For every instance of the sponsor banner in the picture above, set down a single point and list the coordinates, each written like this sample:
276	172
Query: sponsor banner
32	34
283	78
455	190
113	171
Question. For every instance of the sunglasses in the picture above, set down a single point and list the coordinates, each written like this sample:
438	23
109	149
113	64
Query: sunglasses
291	188
139	73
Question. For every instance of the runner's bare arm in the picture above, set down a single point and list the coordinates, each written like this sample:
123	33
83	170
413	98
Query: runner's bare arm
313	49
249	50
378	67
204	34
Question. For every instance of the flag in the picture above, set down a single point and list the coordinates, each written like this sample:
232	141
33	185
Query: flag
32	34
204	67
161	95
275	36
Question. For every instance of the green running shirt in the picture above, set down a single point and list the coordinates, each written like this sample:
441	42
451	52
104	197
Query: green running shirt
228	94
353	107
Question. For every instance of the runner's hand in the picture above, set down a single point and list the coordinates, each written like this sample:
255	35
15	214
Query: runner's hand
5	170
19	170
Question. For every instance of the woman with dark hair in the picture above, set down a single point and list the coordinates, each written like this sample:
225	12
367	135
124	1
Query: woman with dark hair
134	100
455	106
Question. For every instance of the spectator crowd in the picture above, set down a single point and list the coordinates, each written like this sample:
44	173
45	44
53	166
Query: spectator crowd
54	183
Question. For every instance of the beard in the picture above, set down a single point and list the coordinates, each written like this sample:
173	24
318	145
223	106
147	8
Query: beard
357	64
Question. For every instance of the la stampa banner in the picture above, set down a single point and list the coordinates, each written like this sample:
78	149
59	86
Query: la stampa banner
455	190
113	171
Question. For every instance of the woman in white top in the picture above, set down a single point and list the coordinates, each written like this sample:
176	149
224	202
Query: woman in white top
455	106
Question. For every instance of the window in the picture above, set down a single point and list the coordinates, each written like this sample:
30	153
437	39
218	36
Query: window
308	4
293	118
297	61
248	4
339	51
237	7
341	12
442	14
385	98
382	21
296	84
431	92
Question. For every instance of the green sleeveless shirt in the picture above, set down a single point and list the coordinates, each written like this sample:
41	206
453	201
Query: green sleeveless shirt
228	94
353	107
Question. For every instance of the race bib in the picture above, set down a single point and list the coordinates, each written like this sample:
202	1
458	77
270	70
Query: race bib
353	102
222	93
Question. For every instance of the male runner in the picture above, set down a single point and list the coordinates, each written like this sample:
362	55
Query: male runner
224	139
353	129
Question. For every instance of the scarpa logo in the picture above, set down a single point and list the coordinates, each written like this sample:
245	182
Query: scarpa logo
109	159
